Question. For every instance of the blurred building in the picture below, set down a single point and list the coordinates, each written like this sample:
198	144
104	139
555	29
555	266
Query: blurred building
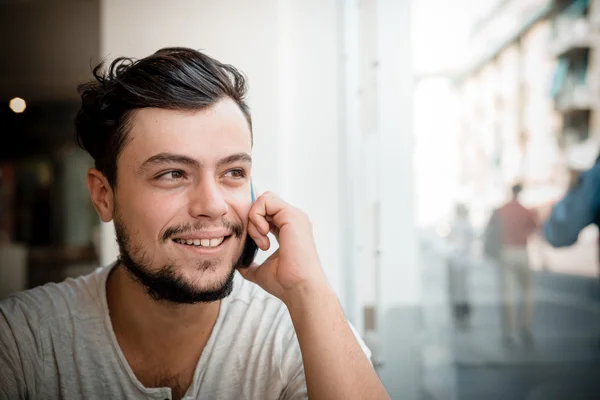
530	112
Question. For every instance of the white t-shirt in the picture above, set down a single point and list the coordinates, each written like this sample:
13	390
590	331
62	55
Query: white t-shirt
57	342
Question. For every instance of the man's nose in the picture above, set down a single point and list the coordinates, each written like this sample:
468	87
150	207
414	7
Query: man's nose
207	200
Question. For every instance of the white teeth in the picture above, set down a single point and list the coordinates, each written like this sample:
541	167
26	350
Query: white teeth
216	242
202	242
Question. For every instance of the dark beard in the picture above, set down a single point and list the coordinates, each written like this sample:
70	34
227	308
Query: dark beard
165	284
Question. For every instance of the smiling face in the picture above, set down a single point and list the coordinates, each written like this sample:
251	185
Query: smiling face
182	200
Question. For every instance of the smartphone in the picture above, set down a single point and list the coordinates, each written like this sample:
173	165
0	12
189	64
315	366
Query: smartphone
250	247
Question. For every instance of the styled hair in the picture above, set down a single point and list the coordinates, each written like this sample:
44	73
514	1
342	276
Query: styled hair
173	78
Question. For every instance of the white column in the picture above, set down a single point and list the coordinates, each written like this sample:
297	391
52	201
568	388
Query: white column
398	280
309	102
350	150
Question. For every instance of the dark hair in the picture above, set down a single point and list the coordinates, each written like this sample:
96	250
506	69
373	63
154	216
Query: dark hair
517	189
173	78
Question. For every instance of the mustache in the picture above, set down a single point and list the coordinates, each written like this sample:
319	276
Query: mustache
235	229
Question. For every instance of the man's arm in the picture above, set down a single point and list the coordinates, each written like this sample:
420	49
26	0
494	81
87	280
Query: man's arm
335	365
292	364
576	210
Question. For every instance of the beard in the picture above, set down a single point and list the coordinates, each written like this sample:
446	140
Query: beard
166	284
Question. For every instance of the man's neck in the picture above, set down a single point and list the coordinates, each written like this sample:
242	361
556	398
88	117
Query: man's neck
148	325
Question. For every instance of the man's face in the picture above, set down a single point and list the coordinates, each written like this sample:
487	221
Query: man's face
182	200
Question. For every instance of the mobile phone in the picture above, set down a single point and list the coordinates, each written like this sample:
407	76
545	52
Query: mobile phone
250	247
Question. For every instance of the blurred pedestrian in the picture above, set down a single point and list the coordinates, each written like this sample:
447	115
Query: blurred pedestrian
461	239
579	207
514	225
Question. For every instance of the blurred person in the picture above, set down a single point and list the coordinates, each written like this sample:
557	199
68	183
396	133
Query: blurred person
579	208
183	313
514	224
461	240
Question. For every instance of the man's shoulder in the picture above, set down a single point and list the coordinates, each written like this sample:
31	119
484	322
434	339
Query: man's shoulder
73	297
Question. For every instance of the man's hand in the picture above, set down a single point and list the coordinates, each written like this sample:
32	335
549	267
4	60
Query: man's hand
294	269
335	366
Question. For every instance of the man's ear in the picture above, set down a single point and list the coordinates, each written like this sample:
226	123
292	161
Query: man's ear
101	193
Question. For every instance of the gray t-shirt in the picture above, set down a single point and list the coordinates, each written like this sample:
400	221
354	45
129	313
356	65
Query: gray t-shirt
57	342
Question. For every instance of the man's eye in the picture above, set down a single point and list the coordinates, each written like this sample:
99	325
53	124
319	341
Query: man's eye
171	175
236	173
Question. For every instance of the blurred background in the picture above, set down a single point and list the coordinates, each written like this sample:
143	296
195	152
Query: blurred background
377	118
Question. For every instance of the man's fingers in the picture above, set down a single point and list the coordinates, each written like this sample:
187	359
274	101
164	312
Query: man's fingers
274	230
259	221
262	241
269	208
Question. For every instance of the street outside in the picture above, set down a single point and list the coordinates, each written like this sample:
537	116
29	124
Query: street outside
563	362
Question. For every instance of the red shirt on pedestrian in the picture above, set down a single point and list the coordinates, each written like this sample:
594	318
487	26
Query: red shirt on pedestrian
517	223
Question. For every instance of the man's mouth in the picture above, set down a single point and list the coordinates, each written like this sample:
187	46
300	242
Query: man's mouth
209	243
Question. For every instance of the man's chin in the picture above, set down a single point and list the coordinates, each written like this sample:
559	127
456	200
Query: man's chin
169	285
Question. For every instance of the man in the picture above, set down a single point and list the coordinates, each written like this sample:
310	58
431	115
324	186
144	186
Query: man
171	136
516	223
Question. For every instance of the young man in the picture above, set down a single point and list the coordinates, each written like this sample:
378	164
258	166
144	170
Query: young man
171	136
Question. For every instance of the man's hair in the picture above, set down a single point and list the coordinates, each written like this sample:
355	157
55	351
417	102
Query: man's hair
173	78
517	189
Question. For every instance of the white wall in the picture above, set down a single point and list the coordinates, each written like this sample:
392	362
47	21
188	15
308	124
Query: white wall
289	51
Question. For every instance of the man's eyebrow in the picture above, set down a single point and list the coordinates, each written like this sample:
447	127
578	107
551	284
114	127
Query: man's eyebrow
168	158
171	158
238	157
